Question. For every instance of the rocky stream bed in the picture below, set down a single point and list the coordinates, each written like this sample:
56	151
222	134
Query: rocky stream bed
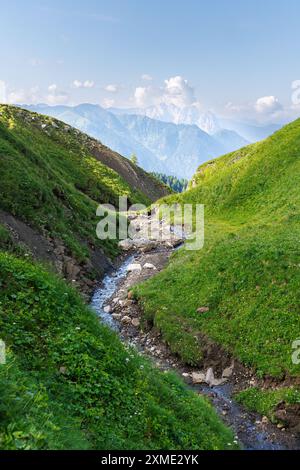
221	375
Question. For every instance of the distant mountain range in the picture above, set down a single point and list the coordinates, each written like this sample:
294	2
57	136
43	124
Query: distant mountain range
166	139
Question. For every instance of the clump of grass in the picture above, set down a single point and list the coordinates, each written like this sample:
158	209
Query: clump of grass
266	401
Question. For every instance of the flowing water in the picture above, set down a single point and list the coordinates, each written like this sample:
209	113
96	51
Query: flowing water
106	291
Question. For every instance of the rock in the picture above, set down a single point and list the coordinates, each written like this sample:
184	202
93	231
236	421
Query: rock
130	295
107	309
203	310
253	382
227	373
116	300
185	375
135	322
71	269
126	320
198	377
134	267
211	380
265	420
149	266
126	245
116	316
144	244
63	370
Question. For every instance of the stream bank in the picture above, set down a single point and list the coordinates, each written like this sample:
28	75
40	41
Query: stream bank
116	307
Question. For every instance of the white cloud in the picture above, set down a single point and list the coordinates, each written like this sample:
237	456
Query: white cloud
56	96
52	88
31	96
108	103
142	96
146	77
268	105
179	92
85	84
176	91
112	88
34	95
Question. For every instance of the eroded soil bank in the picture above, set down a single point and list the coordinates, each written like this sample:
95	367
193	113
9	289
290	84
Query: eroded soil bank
220	376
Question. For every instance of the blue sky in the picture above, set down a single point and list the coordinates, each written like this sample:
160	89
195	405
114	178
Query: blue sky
230	53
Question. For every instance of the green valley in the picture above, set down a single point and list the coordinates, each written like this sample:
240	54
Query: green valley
68	381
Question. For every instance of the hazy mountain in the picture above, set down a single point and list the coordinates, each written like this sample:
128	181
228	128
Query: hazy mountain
230	140
181	147
193	115
104	126
251	132
205	120
161	146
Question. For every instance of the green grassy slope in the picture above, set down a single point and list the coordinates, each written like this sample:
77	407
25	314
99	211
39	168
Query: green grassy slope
248	272
50	179
70	384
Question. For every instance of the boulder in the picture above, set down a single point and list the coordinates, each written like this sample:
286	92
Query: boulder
134	267
149	266
211	380
126	320
135	322
227	373
198	377
107	309
126	245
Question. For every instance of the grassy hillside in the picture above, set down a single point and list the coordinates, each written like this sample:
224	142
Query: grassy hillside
248	272
50	179
70	384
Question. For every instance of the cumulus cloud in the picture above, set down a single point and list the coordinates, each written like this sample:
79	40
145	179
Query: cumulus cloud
143	96
84	84
112	88
268	105
176	90
179	92
21	96
51	95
